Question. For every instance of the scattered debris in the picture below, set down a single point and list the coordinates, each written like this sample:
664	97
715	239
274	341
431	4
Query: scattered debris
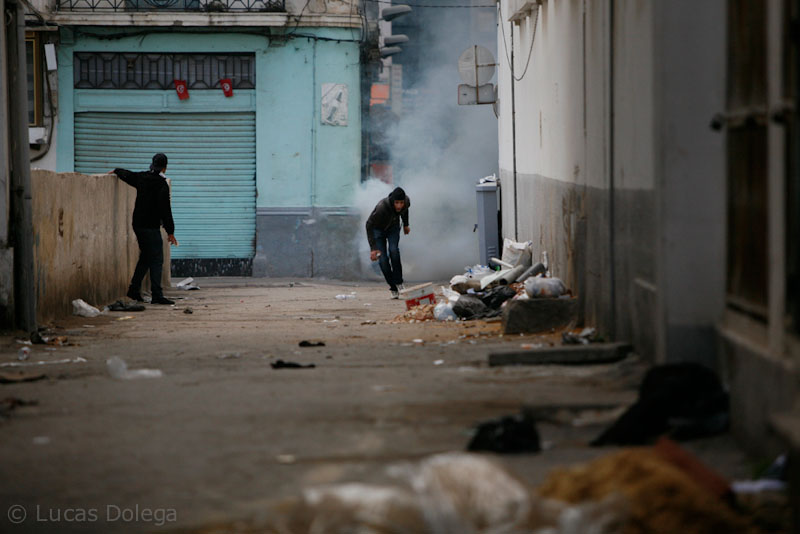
661	498
438	362
584	337
420	313
230	356
346	297
16	376
684	400
509	434
37	339
118	369
23	353
10	403
453	492
79	307
280	364
23	342
418	295
286	459
540	287
188	311
125	318
471	307
306	343
370	321
126	306
187	284
43	362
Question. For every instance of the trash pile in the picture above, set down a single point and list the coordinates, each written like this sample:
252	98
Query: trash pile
481	292
445	493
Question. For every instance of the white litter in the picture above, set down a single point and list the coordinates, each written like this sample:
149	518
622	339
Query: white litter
79	307
118	369
43	362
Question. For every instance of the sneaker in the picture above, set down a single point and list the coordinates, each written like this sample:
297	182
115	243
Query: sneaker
395	294
401	287
135	295
161	300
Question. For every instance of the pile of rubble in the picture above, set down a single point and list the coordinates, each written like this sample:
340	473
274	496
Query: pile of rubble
417	314
481	292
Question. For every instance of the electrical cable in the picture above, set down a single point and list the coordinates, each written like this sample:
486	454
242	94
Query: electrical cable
530	50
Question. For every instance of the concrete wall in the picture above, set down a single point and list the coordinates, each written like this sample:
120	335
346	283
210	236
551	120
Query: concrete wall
618	176
84	245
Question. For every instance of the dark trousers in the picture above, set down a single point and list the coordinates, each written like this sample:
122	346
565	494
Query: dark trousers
151	257
390	264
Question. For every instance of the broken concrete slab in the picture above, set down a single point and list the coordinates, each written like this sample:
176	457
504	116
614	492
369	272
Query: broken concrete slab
595	353
539	315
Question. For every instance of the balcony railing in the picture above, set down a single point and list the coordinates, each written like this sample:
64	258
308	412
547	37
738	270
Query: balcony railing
203	6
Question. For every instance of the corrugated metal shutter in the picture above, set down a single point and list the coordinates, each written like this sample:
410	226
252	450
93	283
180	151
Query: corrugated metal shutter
212	164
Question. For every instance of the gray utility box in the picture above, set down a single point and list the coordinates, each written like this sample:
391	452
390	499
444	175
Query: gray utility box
488	229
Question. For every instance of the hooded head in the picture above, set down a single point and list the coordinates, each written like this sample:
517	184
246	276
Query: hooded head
396	197
397	194
159	163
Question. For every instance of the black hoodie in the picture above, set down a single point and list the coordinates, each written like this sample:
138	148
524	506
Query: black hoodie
384	216
152	207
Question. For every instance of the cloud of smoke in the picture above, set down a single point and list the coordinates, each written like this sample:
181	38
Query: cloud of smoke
438	150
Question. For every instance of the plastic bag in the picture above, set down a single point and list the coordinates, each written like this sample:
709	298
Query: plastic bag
79	307
538	287
444	311
515	253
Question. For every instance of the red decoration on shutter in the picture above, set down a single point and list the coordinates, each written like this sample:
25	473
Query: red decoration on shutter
227	86
181	89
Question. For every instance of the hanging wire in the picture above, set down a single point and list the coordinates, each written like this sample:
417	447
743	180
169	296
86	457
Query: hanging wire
530	50
442	6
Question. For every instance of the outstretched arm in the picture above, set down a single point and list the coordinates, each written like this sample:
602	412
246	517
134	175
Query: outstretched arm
130	178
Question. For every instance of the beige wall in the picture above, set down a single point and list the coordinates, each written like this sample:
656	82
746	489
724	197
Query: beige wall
84	246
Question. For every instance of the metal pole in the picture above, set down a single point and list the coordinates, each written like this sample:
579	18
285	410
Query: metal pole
514	136
21	200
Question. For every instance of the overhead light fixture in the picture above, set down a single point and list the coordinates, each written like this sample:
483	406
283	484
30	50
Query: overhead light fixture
390	51
392	12
395	39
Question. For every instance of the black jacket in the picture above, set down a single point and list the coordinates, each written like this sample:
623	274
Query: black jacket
152	199
385	217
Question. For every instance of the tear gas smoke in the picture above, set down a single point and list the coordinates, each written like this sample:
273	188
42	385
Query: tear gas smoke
438	151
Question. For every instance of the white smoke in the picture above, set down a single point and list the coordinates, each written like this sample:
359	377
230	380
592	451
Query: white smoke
439	150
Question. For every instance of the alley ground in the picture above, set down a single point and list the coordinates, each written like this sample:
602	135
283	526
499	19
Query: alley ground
222	433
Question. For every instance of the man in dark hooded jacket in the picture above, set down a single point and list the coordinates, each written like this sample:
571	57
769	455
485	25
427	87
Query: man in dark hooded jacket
152	209
383	227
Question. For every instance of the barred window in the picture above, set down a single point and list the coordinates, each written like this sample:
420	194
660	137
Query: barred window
123	70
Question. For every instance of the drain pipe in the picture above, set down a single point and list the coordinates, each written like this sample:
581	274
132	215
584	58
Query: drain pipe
612	317
21	200
514	135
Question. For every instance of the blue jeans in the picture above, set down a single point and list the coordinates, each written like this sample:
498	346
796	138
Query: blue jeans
390	263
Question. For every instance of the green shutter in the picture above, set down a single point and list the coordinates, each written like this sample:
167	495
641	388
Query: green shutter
212	164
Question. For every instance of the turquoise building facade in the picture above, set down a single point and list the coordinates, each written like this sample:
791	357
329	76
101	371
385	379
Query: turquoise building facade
263	179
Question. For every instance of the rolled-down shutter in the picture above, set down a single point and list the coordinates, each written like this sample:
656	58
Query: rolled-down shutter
212	164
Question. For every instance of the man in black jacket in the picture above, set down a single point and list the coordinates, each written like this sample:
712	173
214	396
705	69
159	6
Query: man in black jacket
152	209
383	226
